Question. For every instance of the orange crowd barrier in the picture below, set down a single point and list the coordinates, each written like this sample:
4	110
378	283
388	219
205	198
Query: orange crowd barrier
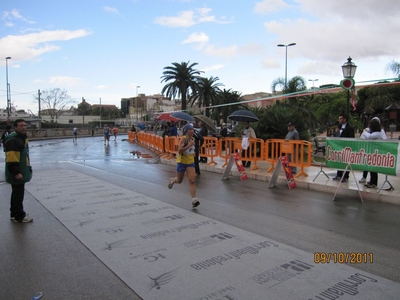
209	149
299	153
131	136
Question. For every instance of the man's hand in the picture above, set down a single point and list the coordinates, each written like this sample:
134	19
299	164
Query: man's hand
19	176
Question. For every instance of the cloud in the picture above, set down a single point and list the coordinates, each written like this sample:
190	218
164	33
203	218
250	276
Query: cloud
270	64
330	31
28	46
110	9
212	68
269	6
220	51
14	15
189	18
184	19
64	81
100	87
196	37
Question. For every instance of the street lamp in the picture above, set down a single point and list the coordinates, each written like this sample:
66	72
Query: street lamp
349	70
286	46
8	90
136	103
313	80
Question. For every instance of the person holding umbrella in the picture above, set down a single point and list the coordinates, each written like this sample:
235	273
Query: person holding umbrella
247	133
203	132
185	162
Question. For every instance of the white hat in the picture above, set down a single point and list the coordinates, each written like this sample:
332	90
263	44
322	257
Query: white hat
376	118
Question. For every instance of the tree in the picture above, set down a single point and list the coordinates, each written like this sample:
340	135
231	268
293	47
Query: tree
54	101
207	93
229	102
394	67
181	80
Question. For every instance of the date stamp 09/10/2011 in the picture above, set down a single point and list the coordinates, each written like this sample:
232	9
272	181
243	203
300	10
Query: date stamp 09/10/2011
343	257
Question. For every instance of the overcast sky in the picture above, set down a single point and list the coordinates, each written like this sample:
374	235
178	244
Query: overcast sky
105	49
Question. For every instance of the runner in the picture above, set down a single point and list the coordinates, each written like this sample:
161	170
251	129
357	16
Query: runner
115	132
185	162
75	138
106	132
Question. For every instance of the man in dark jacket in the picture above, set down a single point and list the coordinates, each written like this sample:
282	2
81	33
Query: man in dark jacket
198	142
18	170
204	132
346	131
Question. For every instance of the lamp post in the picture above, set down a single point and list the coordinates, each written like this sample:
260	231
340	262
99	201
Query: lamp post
349	70
313	80
8	90
136	102
286	46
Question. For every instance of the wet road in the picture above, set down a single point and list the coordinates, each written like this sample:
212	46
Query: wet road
301	218
304	219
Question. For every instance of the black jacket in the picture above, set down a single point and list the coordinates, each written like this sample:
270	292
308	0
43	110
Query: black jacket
348	131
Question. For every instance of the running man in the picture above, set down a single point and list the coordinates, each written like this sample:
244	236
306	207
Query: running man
185	162
106	132
75	138
115	132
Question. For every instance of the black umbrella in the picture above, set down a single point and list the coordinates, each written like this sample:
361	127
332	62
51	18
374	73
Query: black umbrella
243	116
182	116
208	123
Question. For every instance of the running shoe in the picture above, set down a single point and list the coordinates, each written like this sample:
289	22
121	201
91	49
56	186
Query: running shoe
195	203
24	220
171	183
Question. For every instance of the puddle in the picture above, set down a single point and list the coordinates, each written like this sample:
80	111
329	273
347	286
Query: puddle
141	155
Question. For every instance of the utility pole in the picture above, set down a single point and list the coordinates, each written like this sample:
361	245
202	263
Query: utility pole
83	110
40	121
100	112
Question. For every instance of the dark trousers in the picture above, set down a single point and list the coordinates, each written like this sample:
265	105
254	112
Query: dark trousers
374	178
17	197
246	163
196	161
340	173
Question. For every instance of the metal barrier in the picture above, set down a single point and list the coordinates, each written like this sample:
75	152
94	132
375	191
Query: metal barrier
299	151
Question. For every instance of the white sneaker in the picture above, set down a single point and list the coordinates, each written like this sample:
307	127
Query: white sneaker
195	202
24	220
363	180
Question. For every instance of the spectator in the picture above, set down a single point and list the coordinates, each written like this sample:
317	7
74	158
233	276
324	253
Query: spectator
293	134
247	133
18	170
5	134
346	131
367	134
173	130
204	133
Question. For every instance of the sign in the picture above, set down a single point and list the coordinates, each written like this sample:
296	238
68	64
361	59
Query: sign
283	164
238	161
380	156
347	83
235	158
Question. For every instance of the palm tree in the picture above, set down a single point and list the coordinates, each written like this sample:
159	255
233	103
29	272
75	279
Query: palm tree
207	93
295	84
181	80
394	67
230	102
